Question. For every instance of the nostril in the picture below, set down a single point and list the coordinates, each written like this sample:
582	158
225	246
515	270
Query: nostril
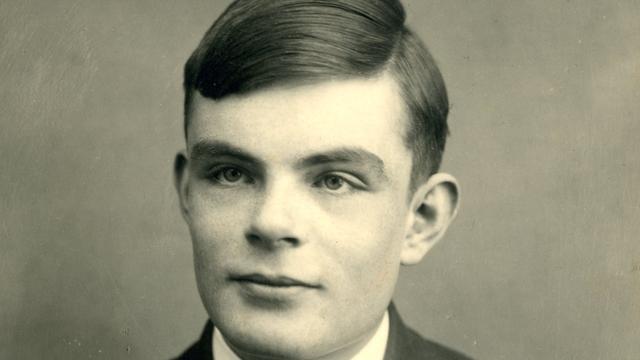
253	238
290	240
271	242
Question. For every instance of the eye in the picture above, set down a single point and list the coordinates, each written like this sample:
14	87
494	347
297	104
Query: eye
333	182
339	183
230	175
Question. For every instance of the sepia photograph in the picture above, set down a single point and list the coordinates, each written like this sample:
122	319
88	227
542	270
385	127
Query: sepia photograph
320	180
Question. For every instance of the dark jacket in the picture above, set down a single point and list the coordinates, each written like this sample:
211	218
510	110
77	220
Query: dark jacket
403	344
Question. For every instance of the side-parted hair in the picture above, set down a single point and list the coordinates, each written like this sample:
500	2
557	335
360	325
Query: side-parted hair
257	44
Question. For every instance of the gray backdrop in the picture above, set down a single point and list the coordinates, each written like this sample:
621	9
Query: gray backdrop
543	261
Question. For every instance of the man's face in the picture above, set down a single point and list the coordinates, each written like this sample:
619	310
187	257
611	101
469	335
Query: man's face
297	203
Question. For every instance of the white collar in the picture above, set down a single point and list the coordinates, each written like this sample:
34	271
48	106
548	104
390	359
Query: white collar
373	350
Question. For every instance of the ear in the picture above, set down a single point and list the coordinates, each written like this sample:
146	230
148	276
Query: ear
433	206
181	182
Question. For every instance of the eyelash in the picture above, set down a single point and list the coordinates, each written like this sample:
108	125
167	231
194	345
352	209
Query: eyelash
217	175
349	183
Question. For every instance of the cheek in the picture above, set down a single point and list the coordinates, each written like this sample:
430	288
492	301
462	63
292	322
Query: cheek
213	211
366	236
216	224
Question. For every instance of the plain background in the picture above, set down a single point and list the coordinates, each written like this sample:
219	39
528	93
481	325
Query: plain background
543	261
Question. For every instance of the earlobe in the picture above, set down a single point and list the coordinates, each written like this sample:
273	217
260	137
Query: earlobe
433	207
180	180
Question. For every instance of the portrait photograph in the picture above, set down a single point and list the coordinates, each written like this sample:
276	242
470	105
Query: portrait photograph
320	180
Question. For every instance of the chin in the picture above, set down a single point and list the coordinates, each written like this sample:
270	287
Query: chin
289	328
301	326
276	341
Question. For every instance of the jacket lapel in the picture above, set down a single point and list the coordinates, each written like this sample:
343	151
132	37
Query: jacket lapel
406	344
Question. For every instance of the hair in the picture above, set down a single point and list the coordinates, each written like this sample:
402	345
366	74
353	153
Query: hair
257	44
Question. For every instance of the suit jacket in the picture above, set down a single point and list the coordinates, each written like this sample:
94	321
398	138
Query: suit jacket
402	344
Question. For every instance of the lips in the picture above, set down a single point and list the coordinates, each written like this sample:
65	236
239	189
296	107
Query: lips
276	281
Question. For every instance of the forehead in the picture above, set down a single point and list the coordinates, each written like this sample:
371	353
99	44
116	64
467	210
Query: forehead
290	121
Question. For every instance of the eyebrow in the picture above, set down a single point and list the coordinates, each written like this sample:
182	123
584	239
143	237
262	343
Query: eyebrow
346	155
206	148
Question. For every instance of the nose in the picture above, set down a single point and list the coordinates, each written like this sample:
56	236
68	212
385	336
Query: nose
274	220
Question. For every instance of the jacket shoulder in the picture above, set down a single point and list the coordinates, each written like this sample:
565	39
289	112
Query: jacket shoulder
201	349
419	348
405	343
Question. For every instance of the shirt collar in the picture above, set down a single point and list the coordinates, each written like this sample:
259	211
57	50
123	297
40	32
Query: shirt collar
373	350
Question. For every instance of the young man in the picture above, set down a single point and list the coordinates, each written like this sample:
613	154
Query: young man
314	132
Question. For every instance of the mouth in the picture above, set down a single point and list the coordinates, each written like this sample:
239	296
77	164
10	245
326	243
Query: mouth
272	290
272	281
